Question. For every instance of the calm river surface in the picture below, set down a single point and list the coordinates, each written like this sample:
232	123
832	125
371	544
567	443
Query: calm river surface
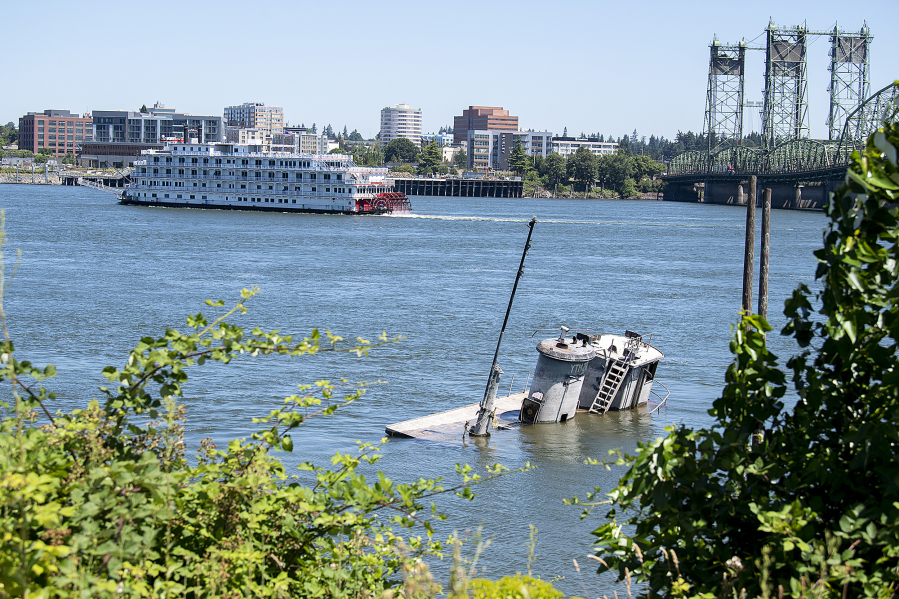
96	276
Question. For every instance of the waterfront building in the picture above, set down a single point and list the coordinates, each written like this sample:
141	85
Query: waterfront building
492	118
401	121
119	136
492	149
255	115
569	145
60	131
442	139
309	143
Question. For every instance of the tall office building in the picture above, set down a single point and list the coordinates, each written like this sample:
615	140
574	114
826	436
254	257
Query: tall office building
401	121
255	115
482	118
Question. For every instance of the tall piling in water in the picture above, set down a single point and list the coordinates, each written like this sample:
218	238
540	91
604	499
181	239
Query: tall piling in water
749	251
763	257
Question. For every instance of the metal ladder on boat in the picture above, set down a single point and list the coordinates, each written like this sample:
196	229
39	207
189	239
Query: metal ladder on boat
615	376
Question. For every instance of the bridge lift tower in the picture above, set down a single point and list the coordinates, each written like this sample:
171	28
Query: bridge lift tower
849	76
785	114
724	97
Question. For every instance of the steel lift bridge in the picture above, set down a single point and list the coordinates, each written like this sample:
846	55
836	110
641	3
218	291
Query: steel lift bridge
788	156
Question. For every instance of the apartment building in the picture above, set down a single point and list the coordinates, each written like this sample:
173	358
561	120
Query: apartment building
570	145
482	118
492	149
58	130
401	121
255	115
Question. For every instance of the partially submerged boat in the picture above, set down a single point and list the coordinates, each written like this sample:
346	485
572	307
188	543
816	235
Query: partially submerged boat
581	374
584	373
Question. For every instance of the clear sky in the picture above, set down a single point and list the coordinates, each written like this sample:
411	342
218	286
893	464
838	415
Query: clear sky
591	66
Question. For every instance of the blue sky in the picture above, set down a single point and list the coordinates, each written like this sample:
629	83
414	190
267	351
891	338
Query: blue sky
607	67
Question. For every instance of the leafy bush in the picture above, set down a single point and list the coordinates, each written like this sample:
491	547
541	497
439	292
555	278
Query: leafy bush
103	501
775	502
513	587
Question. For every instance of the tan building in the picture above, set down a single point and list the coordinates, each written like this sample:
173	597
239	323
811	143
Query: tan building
401	121
255	115
482	118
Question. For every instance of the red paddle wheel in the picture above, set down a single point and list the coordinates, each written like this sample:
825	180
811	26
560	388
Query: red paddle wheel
385	203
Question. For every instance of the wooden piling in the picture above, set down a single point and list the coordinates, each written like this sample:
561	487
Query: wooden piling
749	251
763	258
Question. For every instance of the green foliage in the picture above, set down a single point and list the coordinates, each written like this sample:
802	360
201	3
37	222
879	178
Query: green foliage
582	166
143	109
104	502
430	159
628	189
8	134
513	587
802	502
354	136
555	169
41	157
519	161
460	160
403	168
400	150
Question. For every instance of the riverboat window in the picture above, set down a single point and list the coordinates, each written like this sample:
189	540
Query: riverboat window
205	161
283	175
339	177
312	176
192	197
155	158
202	197
327	189
294	201
168	171
193	172
243	186
168	158
155	171
179	196
259	187
193	160
181	160
243	173
166	195
327	176
313	189
271	163
258	163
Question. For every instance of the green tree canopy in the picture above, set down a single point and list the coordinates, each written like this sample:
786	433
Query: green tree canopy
614	169
430	159
401	149
460	160
143	109
582	166
519	161
775	501
556	169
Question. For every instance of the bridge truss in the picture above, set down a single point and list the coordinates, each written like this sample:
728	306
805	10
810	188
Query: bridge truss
786	146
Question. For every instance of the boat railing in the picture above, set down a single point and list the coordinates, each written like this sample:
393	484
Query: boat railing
663	400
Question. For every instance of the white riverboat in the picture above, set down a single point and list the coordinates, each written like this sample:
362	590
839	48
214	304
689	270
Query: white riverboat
242	177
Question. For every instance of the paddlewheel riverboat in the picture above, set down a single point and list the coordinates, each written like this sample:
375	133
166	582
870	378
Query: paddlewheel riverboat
229	176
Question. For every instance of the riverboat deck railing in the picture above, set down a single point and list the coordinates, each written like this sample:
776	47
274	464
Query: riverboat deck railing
662	400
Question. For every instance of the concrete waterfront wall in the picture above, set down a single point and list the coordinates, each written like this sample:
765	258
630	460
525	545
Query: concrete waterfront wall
460	188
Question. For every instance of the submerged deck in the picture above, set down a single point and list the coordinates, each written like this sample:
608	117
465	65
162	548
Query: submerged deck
451	424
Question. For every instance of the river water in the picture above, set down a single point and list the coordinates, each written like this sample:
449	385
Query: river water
96	276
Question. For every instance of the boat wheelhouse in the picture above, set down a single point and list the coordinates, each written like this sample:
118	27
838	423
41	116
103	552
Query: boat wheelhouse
243	177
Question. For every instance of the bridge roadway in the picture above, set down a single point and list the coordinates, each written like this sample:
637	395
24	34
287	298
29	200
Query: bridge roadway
808	190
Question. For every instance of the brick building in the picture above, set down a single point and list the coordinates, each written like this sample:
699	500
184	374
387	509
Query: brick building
58	130
481	118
